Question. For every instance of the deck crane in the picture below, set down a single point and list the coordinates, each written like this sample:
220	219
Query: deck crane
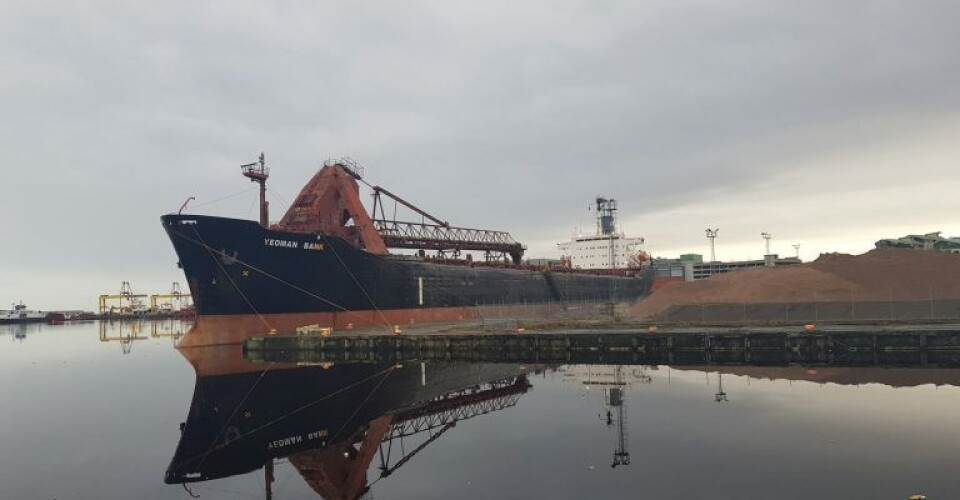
330	204
340	470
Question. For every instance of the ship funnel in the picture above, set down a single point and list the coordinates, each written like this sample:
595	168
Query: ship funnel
606	224
606	217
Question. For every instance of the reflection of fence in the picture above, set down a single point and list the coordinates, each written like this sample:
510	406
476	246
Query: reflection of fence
927	346
916	310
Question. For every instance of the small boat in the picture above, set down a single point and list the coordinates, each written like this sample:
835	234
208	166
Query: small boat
20	314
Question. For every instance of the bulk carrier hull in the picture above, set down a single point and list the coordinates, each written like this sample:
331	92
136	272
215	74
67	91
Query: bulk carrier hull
237	422
246	279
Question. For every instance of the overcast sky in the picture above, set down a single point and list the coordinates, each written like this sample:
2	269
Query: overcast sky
829	124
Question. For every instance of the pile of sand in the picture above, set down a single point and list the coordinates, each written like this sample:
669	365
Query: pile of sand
879	275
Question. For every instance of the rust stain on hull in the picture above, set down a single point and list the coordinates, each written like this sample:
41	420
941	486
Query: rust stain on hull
234	329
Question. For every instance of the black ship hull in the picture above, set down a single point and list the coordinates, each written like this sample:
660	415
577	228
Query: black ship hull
237	267
240	421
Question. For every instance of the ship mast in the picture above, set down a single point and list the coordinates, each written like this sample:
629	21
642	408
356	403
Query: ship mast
258	172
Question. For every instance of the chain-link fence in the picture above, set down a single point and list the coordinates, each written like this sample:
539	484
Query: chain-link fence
511	316
853	310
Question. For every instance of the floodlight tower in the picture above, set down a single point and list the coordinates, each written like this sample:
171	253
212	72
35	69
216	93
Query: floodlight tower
712	234
796	248
615	395
767	237
721	395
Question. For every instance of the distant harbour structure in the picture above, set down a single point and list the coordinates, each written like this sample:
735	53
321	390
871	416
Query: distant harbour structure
691	267
130	304
928	241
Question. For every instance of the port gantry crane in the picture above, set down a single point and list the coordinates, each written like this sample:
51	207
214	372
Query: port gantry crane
177	300
128	303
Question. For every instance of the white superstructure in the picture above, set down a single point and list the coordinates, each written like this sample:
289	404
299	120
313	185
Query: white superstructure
607	248
606	375
592	252
20	314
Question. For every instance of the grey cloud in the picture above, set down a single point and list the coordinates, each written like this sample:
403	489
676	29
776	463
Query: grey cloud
502	115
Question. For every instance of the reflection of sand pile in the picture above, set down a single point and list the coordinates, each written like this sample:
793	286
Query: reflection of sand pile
878	275
894	377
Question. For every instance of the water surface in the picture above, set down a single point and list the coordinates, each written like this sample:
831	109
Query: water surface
85	418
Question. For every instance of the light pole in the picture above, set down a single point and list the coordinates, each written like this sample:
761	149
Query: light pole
767	236
712	234
796	248
720	396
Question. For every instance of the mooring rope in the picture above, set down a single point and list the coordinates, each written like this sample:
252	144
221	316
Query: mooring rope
355	280
234	283
362	403
227	197
279	197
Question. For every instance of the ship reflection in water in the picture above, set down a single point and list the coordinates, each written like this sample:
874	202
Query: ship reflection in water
19	331
344	427
329	422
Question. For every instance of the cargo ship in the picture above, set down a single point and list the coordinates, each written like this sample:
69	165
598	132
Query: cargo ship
328	262
328	422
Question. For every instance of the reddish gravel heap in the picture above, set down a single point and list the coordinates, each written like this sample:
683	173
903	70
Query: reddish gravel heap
886	375
891	274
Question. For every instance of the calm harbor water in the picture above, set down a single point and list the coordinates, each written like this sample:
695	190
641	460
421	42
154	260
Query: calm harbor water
91	418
